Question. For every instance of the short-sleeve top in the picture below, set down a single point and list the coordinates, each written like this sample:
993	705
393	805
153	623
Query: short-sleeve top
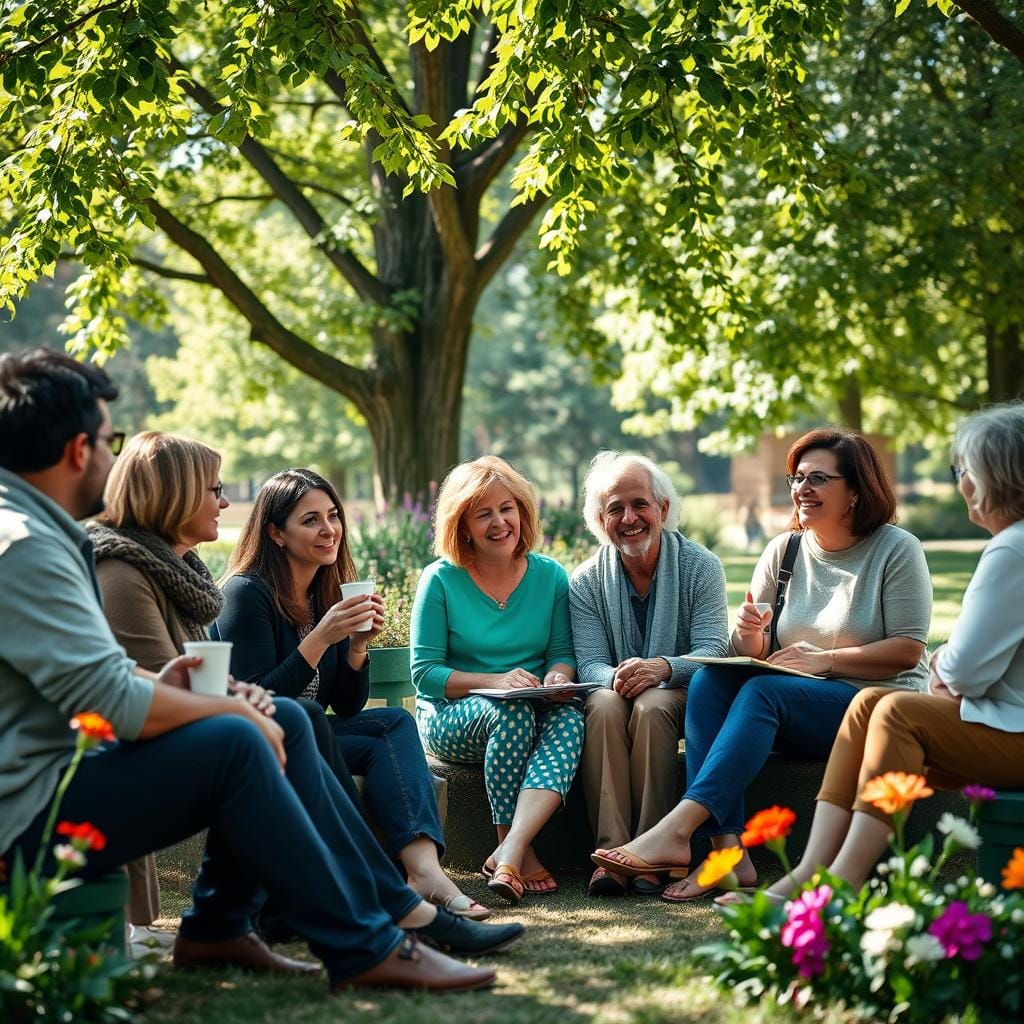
876	589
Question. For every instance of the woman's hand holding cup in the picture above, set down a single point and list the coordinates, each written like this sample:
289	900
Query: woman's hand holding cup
348	617
753	617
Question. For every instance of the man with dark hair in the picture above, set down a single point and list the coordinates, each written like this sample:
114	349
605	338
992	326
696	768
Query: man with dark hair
277	817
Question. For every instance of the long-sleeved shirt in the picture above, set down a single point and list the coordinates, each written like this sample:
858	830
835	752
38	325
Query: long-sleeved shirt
457	627
58	656
689	580
984	659
266	650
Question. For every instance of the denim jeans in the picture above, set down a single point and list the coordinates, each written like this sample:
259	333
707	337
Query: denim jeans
733	720
296	834
383	745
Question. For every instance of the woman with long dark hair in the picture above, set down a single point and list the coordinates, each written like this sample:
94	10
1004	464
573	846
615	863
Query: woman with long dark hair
292	634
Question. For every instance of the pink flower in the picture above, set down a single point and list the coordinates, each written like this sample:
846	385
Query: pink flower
974	793
961	932
66	854
804	931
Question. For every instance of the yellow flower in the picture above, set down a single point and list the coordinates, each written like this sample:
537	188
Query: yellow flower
1013	873
718	864
895	791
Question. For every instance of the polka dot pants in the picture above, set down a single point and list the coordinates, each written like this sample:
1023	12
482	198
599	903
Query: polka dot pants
522	744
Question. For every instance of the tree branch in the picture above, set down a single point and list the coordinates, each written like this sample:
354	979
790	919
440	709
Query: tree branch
480	167
1001	29
493	253
170	272
487	58
264	326
429	73
365	284
359	31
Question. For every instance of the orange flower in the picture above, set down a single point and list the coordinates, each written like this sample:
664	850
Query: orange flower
895	791
768	825
93	727
1013	873
84	836
718	864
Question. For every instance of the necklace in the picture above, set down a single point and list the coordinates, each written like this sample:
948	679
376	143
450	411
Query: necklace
502	603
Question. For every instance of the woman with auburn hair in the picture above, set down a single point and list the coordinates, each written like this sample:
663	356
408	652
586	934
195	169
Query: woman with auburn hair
856	613
163	498
969	727
491	613
292	634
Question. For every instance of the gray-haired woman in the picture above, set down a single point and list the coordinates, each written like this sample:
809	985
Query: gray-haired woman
970	727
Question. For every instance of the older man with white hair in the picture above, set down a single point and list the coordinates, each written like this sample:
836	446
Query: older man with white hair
645	599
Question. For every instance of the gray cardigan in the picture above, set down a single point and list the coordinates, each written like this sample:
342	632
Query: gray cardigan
57	654
689	616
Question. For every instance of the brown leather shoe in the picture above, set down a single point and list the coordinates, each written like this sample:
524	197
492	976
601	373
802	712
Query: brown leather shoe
247	951
414	965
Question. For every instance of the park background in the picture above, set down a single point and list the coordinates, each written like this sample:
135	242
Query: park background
691	230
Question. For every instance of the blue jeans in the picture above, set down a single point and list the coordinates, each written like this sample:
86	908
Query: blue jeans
735	717
383	744
295	835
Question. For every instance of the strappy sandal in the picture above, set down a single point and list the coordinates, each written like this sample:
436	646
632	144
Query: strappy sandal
629	864
669	897
606	883
542	875
507	883
461	906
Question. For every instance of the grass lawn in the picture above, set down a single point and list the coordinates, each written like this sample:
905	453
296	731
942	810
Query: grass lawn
583	959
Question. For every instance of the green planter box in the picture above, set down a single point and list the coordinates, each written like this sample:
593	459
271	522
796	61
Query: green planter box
99	901
390	675
1001	824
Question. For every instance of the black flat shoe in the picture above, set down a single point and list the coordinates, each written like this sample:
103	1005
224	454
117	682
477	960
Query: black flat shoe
463	937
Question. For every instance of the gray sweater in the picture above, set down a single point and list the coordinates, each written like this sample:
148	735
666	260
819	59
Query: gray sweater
878	588
689	616
57	654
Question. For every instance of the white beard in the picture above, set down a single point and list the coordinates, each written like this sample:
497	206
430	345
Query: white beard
637	548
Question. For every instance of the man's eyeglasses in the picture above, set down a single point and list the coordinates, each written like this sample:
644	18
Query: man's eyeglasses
815	479
957	472
218	491
114	441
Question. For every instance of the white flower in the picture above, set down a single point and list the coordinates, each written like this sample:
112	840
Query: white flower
1017	915
922	949
889	917
961	831
985	889
65	853
877	943
919	866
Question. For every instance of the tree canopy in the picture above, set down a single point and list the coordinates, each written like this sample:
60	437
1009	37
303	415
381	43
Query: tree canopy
348	178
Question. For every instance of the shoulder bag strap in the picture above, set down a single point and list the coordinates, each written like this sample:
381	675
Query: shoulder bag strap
781	585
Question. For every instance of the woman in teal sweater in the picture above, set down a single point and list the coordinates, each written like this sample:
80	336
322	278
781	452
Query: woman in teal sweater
489	613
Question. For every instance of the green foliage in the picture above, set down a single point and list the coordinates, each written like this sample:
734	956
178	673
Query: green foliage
390	545
398	597
940	517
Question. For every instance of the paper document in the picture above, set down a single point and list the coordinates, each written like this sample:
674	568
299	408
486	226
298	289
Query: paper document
766	666
537	692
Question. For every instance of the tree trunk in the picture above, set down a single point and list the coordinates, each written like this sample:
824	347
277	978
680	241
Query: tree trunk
850	410
1004	356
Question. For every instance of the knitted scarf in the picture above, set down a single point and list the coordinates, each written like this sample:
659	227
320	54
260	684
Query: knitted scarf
185	580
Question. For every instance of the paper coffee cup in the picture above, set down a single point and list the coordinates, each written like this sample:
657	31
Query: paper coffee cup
762	607
211	677
360	588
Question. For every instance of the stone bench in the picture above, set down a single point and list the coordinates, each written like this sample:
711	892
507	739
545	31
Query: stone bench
567	841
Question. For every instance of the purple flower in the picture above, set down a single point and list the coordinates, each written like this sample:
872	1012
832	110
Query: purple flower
974	792
961	932
804	931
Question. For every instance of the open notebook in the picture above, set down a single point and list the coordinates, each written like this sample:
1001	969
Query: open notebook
765	666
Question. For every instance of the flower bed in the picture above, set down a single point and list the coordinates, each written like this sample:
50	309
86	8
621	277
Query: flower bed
906	946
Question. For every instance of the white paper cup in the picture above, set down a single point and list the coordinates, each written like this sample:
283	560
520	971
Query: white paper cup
360	588
763	606
211	677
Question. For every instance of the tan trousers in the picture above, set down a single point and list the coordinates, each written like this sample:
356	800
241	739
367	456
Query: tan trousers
887	730
143	891
629	761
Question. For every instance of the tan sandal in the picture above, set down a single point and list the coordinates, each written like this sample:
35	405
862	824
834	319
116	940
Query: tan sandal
620	861
461	906
507	883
